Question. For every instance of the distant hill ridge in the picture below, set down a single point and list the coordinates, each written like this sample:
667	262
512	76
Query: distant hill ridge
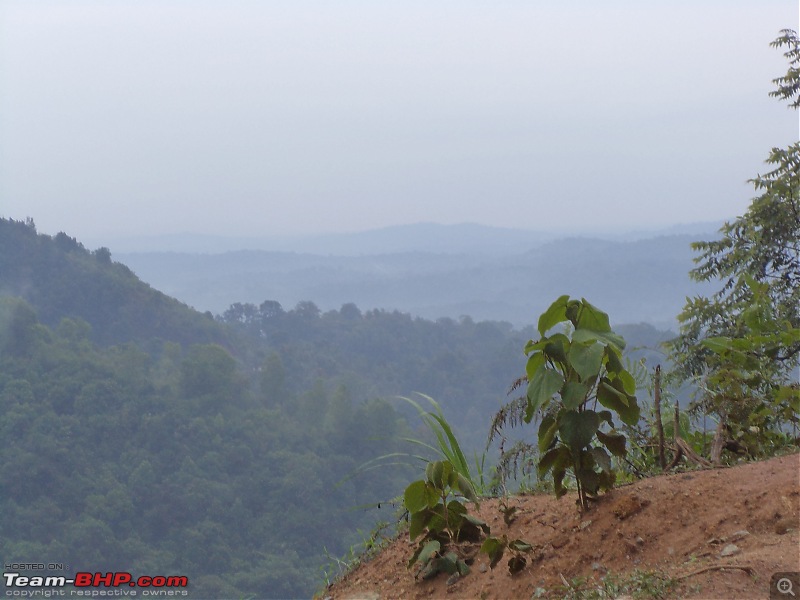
640	280
462	238
60	278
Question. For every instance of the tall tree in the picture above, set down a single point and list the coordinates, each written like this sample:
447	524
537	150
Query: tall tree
744	339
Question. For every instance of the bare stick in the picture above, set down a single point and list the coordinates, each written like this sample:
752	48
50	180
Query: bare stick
676	459
691	454
747	569
659	425
682	448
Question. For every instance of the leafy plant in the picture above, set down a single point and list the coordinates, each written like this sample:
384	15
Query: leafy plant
579	371
737	372
496	547
439	518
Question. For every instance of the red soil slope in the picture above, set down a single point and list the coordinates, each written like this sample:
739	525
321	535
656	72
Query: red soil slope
720	533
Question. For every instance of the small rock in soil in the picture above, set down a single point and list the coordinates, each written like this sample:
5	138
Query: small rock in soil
729	550
736	536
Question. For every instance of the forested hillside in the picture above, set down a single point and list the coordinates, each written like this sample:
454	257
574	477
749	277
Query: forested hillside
114	459
140	435
467	366
61	278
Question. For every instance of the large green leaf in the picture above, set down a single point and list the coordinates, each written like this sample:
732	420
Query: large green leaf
605	415
586	359
577	429
532	346
493	547
605	337
591	317
555	458
535	360
416	496
558	480
615	442
457	508
449	563
547	431
555	314
611	394
613	359
541	387
464	486
428	551
436	521
601	457
613	388
418	522
574	394
590	480
628	382
439	473
557	347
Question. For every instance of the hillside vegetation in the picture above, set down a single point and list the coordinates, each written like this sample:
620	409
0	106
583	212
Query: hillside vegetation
141	435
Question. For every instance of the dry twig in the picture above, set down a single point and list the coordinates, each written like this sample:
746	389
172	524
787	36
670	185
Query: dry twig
746	568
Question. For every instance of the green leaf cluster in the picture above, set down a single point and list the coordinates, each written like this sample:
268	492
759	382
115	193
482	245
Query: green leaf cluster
568	376
439	518
737	369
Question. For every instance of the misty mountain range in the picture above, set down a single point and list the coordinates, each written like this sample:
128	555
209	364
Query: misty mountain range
433	271
463	238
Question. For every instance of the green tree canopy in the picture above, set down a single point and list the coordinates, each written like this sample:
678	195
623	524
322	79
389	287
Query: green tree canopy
757	261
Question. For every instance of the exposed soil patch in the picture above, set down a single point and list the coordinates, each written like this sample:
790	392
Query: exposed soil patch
722	533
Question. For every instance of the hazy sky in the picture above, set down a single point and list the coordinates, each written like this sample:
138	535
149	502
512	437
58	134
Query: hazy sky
264	117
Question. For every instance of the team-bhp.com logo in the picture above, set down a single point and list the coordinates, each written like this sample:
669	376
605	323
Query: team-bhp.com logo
95	584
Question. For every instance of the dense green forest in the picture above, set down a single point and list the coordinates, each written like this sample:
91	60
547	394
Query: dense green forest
140	435
173	462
